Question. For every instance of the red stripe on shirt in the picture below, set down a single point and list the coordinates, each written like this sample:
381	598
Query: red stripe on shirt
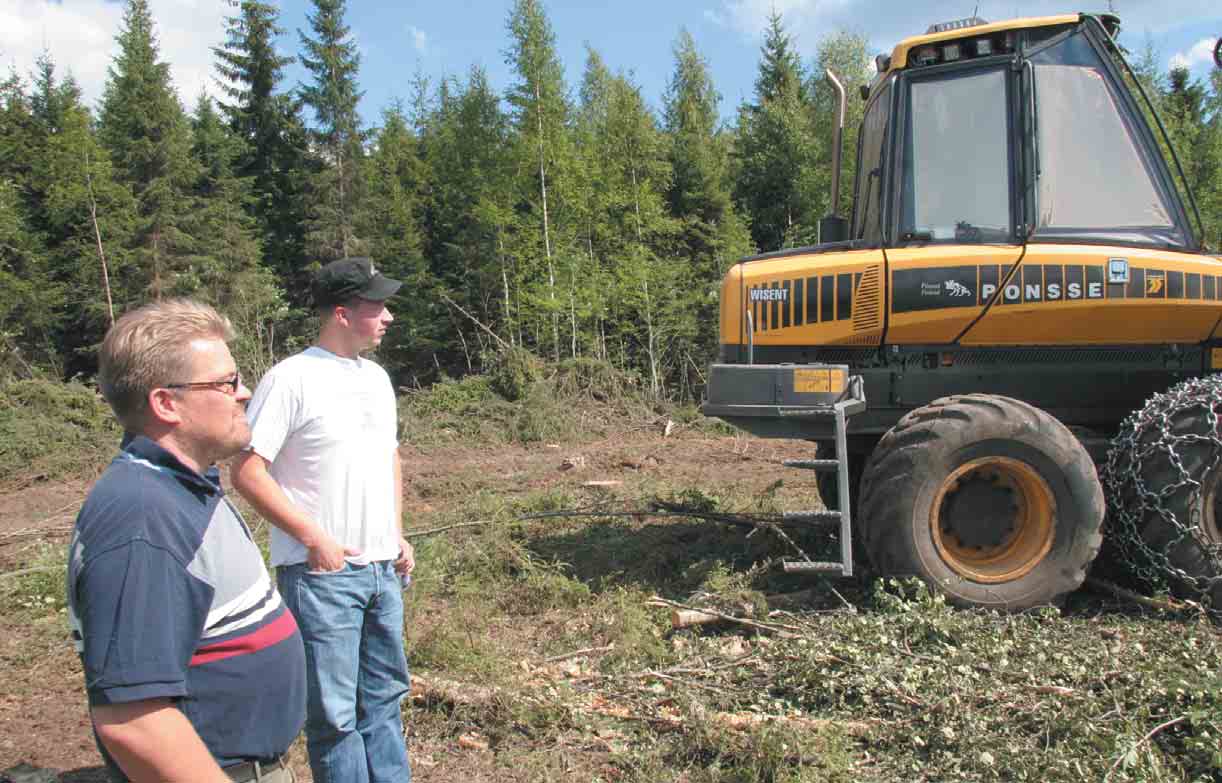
274	632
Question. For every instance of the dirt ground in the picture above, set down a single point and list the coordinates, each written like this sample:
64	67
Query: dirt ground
43	716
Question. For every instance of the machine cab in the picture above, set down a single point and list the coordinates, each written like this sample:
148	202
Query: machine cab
995	134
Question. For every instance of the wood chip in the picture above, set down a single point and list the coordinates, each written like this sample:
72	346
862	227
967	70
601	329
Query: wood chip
472	741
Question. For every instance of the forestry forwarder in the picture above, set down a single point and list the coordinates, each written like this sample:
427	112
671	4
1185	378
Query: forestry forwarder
1019	275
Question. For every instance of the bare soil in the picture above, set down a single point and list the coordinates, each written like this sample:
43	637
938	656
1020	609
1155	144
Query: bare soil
43	717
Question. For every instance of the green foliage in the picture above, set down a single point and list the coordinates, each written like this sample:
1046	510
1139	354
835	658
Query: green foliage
513	372
583	227
621	619
52	431
337	189
272	134
774	754
143	127
846	54
225	270
596	380
776	150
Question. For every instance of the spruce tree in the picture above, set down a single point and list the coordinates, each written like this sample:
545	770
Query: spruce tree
335	191
699	196
391	221
269	123
712	236
144	128
27	318
49	100
775	150
1185	107
467	200
19	133
780	69
90	219
225	269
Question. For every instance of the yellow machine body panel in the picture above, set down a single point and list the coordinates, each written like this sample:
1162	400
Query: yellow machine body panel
1099	295
1059	295
936	293
805	299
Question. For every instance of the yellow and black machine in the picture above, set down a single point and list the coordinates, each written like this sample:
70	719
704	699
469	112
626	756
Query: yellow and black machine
1019	276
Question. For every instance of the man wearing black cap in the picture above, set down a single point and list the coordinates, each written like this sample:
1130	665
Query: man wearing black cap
323	467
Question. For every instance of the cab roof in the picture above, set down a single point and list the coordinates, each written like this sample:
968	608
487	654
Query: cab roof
899	55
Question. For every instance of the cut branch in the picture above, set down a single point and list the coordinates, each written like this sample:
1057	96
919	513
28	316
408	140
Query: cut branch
1120	759
435	530
475	321
579	653
1137	598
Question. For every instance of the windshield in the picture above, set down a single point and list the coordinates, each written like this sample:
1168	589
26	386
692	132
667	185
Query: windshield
1095	178
956	177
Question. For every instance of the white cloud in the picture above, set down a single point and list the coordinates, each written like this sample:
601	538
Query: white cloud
80	37
1201	53
420	39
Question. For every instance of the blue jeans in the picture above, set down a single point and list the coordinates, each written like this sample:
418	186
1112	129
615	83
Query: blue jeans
356	672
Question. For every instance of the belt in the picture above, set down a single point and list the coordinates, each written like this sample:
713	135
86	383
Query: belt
253	769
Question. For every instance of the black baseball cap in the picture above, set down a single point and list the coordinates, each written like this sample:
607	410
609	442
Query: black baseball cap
348	278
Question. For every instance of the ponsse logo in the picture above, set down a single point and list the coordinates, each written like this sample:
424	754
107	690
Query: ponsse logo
949	287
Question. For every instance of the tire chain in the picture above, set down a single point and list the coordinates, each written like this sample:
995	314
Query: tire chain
1147	435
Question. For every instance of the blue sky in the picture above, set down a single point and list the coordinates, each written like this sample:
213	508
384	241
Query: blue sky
397	40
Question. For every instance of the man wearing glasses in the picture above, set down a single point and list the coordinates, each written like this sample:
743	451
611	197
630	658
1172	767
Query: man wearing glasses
194	667
323	468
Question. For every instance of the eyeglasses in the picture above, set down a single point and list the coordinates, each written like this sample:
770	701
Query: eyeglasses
229	385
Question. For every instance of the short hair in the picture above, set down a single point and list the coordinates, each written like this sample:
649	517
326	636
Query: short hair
145	349
325	311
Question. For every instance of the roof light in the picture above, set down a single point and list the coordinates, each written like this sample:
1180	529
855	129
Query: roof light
926	55
957	24
984	47
950	53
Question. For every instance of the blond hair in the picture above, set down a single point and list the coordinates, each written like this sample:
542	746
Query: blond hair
147	349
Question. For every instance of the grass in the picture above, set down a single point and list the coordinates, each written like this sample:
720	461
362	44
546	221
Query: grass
943	694
899	687
40	591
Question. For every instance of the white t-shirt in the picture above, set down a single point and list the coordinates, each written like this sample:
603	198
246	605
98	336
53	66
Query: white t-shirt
328	426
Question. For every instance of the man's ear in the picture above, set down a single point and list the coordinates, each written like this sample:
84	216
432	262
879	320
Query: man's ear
164	406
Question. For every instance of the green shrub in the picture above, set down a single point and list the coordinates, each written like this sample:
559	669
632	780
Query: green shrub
512	372
596	379
51	430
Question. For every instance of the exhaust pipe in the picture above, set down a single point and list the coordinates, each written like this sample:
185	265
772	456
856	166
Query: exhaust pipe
834	228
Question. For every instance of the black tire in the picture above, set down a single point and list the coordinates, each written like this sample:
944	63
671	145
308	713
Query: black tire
829	492
987	499
1164	485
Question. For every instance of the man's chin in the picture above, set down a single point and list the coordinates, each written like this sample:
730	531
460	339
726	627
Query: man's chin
237	445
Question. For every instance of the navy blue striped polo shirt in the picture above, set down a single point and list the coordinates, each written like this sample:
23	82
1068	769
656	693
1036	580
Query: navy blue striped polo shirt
168	597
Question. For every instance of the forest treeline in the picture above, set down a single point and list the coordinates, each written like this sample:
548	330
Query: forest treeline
571	220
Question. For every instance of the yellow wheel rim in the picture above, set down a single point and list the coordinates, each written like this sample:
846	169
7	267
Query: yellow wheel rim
993	520
1211	520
